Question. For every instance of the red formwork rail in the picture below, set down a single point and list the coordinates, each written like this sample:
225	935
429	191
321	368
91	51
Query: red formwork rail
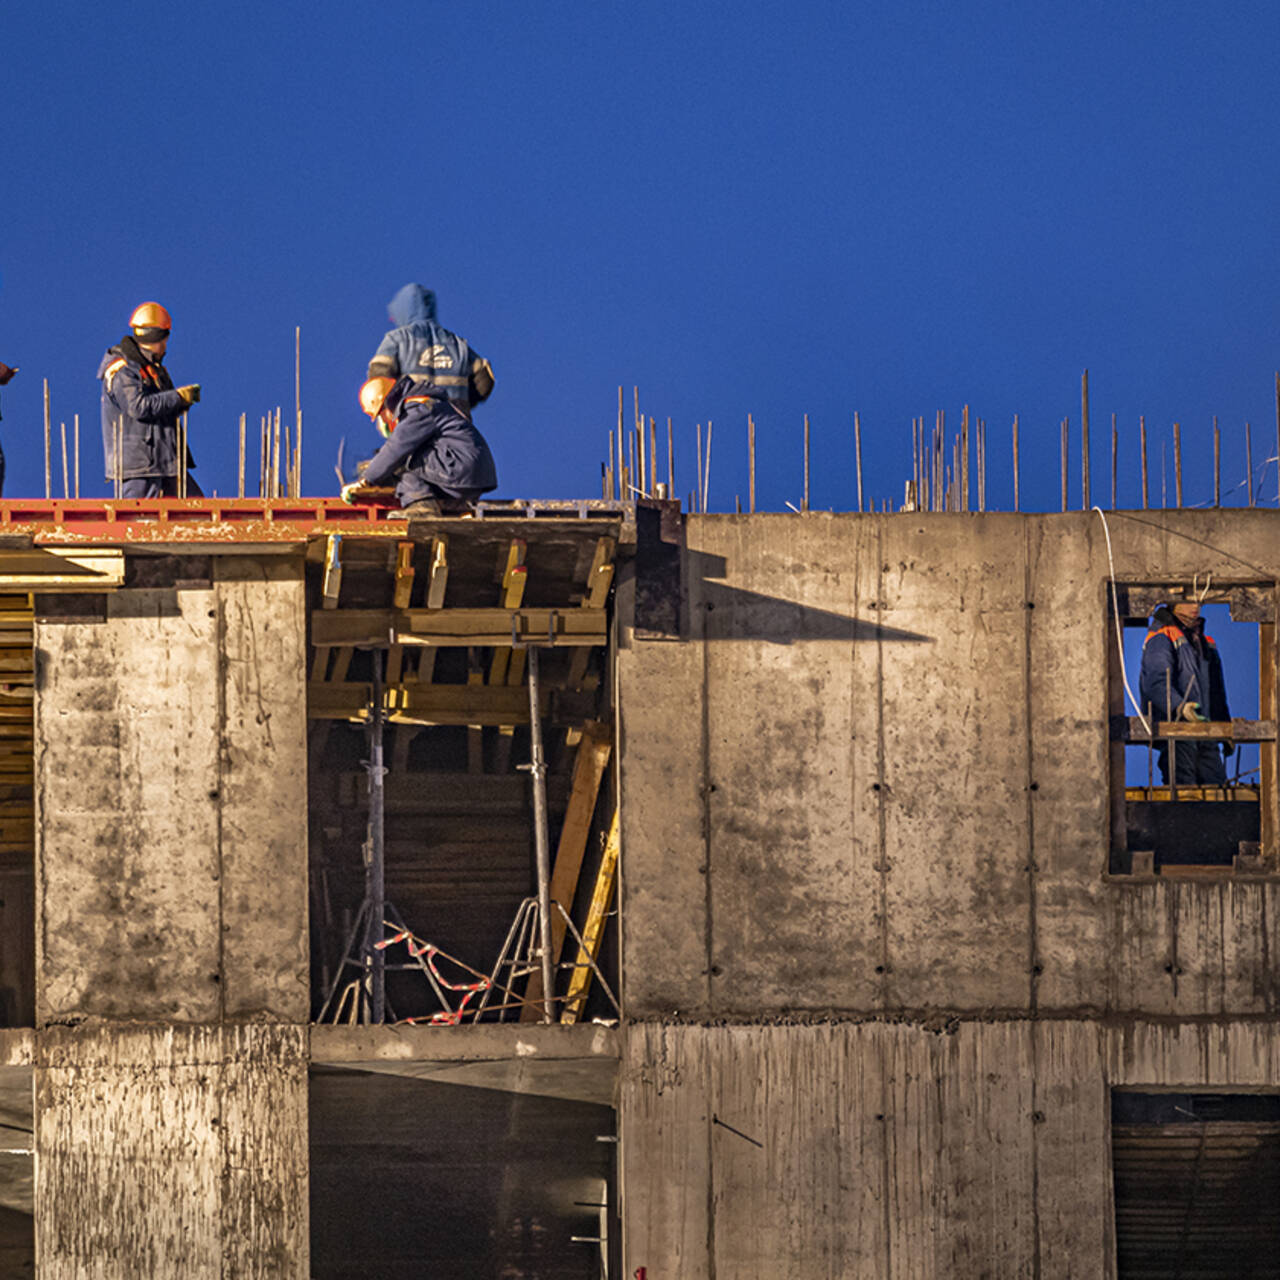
65	521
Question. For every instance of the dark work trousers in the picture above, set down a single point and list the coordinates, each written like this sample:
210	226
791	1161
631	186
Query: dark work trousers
1198	763
156	487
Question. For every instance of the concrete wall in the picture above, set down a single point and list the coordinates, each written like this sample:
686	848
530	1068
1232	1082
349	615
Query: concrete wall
890	1150
883	982
170	1074
874	778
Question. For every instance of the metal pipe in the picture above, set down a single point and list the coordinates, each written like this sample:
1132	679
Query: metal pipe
376	871
538	772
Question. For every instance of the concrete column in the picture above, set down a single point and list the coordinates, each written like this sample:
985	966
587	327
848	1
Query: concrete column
171	947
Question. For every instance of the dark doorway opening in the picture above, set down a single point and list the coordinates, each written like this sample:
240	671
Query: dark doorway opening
411	1178
1197	1179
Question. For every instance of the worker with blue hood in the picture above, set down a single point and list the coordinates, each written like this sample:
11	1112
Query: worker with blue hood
1181	679
438	362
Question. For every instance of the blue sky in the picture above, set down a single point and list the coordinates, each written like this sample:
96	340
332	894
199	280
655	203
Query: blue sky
770	208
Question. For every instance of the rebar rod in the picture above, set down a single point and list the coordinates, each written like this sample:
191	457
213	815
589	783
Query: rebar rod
1084	442
653	457
622	445
751	463
857	453
1016	506
538	773
1066	438
697	488
963	444
1177	462
1142	435
1115	450
804	501
297	400
1248	461
1217	464
77	448
671	461
706	479
240	490
66	469
48	463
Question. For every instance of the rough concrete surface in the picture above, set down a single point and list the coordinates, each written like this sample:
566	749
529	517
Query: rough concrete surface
873	778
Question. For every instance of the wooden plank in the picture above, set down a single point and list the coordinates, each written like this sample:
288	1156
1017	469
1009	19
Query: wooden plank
438	578
514	578
588	771
460	628
456	704
400	598
332	585
599	580
593	933
1236	730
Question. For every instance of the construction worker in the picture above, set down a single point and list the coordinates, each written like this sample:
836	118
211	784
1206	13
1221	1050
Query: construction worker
141	408
1182	680
425	351
6	374
440	463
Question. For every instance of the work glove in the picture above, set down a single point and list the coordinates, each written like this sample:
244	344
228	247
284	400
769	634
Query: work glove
6	373
352	491
1191	711
190	394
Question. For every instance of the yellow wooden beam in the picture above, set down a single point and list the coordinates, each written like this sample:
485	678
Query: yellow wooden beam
593	934
332	585
460	628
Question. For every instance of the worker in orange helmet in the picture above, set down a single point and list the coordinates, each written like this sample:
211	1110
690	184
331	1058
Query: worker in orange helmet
440	463
141	408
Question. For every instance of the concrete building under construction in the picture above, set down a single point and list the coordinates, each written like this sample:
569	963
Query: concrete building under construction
868	955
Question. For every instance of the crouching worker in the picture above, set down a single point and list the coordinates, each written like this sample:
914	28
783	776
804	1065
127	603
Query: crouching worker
439	462
1182	680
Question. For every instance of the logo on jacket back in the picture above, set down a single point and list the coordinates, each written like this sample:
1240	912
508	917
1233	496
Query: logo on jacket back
436	358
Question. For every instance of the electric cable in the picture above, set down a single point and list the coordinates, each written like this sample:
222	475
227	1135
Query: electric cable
1115	609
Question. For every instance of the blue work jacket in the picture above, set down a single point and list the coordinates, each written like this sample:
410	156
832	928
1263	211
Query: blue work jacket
432	443
138	393
427	352
1184	661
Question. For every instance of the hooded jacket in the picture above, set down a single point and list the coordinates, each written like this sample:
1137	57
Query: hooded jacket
1194	671
138	393
422	349
432	444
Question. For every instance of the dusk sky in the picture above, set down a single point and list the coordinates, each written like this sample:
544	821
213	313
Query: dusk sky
749	207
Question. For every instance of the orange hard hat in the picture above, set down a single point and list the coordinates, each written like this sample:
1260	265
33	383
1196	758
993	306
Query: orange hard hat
373	393
150	315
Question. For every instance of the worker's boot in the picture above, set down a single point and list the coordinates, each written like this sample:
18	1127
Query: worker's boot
417	509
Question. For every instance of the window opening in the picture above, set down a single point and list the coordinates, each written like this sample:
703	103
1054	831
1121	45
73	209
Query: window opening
1193	775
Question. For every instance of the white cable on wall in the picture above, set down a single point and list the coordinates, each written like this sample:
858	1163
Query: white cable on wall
1115	609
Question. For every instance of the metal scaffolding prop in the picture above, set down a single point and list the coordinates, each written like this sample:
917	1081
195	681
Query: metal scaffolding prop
527	951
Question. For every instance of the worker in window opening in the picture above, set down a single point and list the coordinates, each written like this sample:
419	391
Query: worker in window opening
6	374
425	351
440	463
141	408
1182	680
